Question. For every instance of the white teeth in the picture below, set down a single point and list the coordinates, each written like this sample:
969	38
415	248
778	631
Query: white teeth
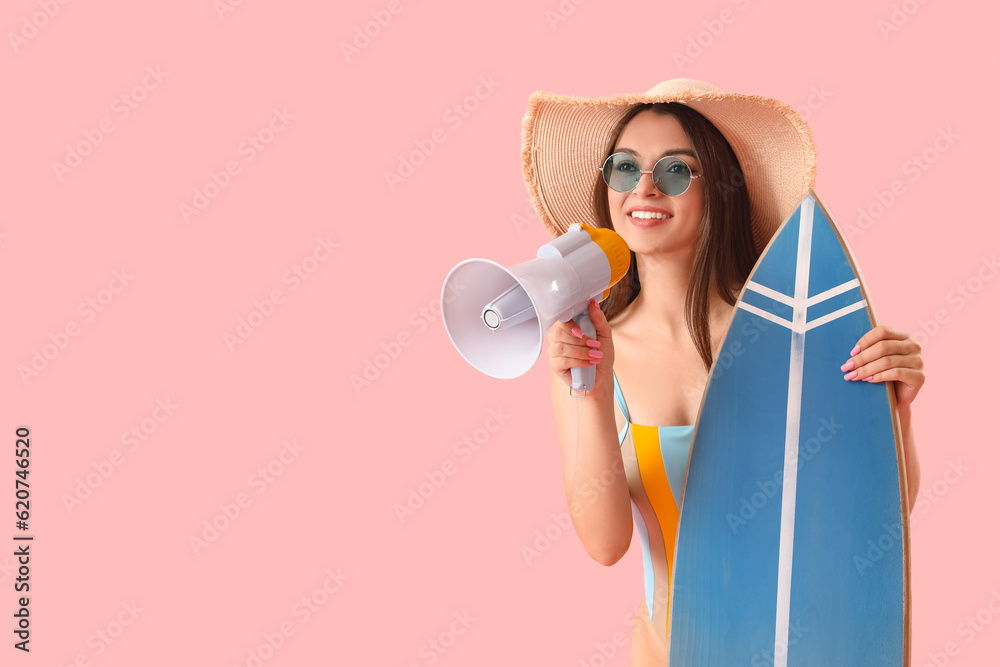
649	215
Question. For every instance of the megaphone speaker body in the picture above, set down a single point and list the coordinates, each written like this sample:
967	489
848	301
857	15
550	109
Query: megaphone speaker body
497	316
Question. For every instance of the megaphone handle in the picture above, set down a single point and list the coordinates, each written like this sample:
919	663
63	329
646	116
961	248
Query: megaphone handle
584	376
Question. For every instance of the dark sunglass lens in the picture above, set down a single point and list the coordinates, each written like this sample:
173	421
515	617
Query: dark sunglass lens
621	172
672	176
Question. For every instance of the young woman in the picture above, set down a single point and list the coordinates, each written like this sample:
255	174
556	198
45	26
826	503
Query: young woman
696	181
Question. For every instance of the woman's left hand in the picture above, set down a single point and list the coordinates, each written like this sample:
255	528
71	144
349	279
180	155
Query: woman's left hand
885	354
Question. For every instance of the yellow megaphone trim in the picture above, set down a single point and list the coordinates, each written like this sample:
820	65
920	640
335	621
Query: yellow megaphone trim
614	246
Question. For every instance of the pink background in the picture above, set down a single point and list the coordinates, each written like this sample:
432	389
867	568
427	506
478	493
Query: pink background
876	101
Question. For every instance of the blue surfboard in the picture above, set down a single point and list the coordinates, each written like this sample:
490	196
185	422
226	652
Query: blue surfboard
793	540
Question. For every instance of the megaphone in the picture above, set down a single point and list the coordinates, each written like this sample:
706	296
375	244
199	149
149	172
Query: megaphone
496	316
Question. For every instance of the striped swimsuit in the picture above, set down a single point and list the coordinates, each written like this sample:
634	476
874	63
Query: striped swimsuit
655	459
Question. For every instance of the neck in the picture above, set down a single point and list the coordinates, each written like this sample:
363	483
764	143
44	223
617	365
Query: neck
660	304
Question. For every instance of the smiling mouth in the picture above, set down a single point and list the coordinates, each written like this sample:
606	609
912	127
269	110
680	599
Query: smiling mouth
649	215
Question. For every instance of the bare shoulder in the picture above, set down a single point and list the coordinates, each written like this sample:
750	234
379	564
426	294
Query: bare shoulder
624	325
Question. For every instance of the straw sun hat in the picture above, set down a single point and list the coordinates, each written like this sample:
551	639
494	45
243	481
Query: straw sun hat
564	141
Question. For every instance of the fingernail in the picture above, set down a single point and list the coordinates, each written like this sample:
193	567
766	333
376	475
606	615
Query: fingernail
593	301
851	375
577	331
848	366
868	379
595	361
596	354
594	343
857	348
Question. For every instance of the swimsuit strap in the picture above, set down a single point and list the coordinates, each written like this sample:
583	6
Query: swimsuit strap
619	397
620	400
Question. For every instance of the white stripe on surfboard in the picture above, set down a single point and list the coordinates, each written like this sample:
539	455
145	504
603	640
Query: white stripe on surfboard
795	364
830	317
772	293
766	315
818	322
832	292
811	301
775	295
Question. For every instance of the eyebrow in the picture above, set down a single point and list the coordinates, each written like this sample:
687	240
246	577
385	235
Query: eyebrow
669	151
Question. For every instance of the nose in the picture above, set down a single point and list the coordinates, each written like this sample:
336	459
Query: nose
645	186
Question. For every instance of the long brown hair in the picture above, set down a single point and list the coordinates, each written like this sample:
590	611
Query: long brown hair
725	247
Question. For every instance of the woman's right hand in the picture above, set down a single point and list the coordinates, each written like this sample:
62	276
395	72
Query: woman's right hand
569	348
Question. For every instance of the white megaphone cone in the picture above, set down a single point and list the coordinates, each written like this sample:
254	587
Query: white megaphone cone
497	317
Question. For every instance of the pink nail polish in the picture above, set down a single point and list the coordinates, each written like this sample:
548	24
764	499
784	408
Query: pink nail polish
857	348
851	375
594	343
848	366
869	378
577	331
596	354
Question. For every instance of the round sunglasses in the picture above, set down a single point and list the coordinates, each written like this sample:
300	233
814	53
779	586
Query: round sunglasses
671	175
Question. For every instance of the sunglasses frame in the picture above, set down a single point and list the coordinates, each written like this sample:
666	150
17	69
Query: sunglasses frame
672	158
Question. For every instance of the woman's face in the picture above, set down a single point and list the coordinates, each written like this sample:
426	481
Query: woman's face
673	226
